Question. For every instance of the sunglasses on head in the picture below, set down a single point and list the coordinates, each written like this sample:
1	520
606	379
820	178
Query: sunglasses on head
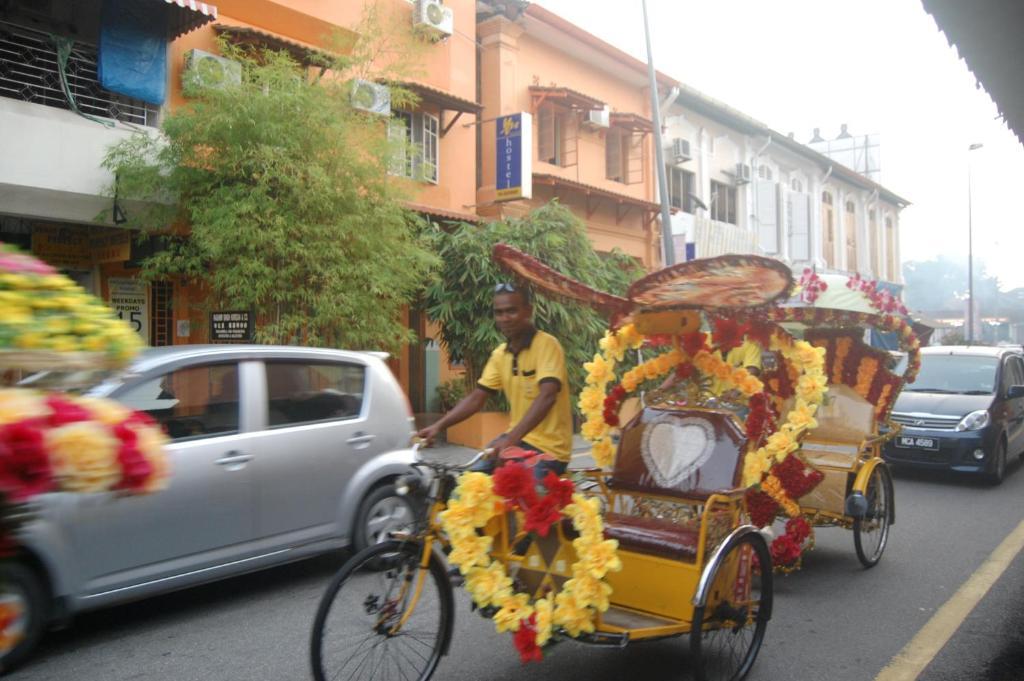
505	287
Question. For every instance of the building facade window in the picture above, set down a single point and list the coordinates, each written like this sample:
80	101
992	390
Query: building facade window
850	225
796	185
890	250
418	157
765	173
624	156
557	135
723	202
680	188
828	229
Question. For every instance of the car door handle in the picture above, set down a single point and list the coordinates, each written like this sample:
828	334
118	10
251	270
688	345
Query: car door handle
360	439
234	460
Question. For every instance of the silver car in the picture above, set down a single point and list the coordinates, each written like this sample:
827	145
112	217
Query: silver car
278	453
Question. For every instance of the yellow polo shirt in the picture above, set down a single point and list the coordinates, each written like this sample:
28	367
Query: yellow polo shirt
519	376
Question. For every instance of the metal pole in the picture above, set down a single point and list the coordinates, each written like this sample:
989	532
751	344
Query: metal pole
659	153
970	250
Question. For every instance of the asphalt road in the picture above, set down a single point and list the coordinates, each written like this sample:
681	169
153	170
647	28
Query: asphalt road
833	620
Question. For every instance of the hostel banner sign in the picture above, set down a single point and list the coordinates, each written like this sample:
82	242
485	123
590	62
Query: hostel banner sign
128	299
514	157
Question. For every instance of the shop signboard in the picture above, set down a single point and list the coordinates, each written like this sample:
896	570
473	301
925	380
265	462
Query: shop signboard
514	179
129	301
231	326
109	244
63	246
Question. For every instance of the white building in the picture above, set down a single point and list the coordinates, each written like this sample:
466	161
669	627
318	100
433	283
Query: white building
740	187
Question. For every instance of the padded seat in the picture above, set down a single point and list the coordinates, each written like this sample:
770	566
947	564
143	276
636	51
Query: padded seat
652	536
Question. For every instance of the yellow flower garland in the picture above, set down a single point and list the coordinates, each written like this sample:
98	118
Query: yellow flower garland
574	607
811	386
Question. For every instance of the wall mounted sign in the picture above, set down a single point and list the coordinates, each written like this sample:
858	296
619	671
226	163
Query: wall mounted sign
236	326
514	179
129	300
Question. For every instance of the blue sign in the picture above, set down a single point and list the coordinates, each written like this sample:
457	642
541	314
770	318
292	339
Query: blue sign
514	177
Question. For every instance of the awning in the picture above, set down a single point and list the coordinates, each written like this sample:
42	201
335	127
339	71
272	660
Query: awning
443	213
631	121
446	100
303	54
595	195
186	15
564	96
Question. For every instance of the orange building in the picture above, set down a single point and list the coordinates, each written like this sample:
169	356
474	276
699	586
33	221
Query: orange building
51	182
592	142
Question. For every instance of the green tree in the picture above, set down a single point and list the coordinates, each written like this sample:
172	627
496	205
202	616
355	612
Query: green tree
281	191
460	297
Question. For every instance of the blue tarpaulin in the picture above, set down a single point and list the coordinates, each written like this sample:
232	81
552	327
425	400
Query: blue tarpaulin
133	50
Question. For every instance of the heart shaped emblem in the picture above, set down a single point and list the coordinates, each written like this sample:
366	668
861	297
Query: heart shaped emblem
675	449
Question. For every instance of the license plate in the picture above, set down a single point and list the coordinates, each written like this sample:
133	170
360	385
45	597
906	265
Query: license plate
918	442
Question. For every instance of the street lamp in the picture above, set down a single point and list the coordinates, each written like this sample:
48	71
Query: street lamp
970	249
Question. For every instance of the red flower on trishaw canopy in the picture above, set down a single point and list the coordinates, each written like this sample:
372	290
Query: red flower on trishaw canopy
684	371
693	342
526	640
728	333
135	468
514	481
24	465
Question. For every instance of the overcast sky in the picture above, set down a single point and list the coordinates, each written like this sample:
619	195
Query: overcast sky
881	66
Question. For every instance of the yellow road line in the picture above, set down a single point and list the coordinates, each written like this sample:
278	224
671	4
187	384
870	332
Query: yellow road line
923	648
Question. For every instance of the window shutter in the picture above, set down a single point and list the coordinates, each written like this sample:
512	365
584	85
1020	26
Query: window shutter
546	134
398	134
430	129
767	217
613	155
799	228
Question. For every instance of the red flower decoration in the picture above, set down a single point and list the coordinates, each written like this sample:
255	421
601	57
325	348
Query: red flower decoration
728	333
542	514
24	465
514	481
526	641
65	412
693	342
135	468
798	528
785	550
684	371
559	488
797	477
761	507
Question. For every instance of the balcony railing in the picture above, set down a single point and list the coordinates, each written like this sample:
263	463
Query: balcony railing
29	72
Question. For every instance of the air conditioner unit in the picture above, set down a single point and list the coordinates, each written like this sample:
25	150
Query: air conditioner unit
433	19
598	118
372	97
681	150
203	69
742	173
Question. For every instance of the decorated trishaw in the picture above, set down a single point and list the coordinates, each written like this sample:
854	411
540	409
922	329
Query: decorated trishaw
54	441
651	544
837	314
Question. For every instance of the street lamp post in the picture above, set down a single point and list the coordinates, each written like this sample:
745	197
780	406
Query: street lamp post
667	246
970	249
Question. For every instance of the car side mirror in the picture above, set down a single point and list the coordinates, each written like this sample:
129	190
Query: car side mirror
1015	391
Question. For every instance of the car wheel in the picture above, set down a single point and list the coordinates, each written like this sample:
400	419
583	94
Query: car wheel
998	472
383	511
21	587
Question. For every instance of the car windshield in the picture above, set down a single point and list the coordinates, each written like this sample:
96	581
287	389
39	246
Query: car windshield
962	374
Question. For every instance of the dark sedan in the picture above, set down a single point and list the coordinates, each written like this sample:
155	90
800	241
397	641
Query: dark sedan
964	413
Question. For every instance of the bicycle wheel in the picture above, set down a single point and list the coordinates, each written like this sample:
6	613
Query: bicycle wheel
383	617
728	630
871	533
